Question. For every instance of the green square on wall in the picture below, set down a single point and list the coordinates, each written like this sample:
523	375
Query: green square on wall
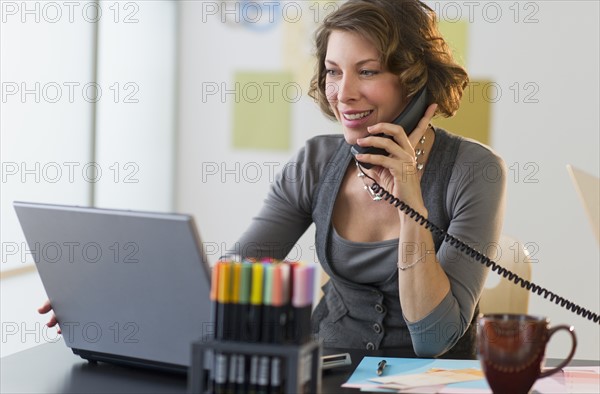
262	109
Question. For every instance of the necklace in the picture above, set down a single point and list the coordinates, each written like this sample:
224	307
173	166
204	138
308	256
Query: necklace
420	151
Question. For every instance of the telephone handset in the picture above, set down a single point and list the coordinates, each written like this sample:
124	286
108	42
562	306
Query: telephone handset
408	119
478	256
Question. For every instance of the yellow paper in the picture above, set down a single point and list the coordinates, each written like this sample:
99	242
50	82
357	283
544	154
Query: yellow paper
261	109
300	23
430	378
473	119
455	34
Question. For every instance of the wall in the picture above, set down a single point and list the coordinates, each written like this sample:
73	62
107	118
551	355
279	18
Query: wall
223	187
87	118
549	48
559	54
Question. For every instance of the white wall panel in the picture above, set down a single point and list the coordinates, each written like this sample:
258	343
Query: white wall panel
46	63
47	102
135	119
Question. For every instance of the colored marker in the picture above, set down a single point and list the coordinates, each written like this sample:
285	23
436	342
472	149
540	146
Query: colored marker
244	300
266	327
280	298
233	332
223	319
267	312
279	320
255	319
302	298
214	285
290	331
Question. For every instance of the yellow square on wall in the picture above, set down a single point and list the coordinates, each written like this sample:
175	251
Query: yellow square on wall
473	119
262	110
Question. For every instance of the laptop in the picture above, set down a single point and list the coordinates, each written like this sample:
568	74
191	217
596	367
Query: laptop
588	189
127	287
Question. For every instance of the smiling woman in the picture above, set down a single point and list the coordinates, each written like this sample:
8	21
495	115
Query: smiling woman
352	75
392	284
404	40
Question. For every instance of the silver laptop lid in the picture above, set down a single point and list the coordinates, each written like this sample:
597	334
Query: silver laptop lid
130	284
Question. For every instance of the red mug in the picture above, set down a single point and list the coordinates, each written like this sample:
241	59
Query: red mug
511	350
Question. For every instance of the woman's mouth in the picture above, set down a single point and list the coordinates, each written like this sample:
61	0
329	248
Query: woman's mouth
357	115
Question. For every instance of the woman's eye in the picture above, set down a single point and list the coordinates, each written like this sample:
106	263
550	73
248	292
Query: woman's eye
368	73
331	72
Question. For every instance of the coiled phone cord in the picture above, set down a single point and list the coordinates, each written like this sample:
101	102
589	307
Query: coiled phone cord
478	256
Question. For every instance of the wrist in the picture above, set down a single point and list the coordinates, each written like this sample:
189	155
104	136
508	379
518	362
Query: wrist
405	265
419	208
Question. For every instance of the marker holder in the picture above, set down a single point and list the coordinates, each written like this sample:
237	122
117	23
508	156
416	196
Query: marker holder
301	362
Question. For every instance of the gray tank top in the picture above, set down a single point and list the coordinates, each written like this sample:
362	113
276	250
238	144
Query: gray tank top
364	262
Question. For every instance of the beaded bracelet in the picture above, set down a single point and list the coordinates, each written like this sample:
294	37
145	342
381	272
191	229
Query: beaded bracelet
404	268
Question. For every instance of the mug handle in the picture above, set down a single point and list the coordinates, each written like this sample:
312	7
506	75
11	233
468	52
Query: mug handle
571	331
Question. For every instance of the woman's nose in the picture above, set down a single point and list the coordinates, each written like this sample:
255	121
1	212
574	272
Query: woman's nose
347	88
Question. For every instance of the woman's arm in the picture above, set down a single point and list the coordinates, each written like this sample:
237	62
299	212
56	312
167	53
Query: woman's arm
475	204
287	210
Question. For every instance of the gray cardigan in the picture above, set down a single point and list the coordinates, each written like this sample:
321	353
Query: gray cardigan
463	189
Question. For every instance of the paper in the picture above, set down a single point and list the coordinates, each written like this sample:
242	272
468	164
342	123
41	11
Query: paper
298	46
578	380
262	109
432	377
572	380
455	34
366	371
473	119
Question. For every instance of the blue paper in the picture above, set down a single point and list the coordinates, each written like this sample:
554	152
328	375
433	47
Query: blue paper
367	369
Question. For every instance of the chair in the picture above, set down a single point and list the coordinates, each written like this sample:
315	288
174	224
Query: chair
501	295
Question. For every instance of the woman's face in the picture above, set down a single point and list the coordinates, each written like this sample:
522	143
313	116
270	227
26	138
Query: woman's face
360	91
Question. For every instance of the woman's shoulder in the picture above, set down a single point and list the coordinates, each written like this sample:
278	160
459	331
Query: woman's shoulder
471	150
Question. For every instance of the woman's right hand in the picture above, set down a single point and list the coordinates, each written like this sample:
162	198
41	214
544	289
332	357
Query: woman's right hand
45	309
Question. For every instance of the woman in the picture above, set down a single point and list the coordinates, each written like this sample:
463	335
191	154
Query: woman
392	284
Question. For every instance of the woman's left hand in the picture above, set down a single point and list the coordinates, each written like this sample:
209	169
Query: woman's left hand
397	173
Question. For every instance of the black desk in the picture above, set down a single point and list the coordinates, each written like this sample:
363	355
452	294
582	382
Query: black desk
53	368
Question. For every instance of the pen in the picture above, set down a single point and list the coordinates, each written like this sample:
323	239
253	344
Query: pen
380	367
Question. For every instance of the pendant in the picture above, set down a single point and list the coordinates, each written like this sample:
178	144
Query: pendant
374	196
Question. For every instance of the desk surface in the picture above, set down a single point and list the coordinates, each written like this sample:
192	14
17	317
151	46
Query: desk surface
53	368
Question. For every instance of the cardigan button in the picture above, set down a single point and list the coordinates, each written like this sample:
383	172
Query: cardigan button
377	328
379	308
370	346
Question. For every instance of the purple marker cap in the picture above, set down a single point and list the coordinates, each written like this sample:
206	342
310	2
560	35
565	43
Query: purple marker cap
303	287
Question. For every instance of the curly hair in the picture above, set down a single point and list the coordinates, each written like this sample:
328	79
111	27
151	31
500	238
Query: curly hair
405	34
